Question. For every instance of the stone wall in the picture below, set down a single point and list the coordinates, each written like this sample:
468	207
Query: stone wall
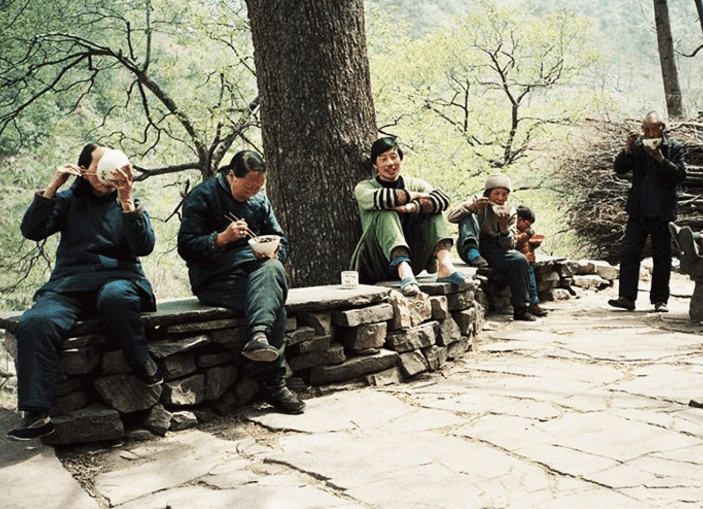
370	335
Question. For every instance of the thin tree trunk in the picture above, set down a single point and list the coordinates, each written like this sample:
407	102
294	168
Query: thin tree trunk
670	74
318	124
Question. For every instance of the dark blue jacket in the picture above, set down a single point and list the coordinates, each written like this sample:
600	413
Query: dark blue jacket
204	217
653	196
99	241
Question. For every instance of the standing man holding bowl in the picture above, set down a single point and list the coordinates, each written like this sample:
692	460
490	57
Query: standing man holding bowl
657	166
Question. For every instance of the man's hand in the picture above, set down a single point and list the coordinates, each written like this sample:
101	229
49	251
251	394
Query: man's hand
631	138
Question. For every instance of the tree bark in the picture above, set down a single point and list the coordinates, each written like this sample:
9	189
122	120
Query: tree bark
318	124
699	8
670	74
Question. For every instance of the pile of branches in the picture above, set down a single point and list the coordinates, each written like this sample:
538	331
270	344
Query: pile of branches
597	196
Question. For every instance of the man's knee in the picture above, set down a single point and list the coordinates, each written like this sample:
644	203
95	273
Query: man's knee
118	295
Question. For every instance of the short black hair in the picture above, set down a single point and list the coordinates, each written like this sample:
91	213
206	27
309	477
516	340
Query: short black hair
524	212
245	161
385	144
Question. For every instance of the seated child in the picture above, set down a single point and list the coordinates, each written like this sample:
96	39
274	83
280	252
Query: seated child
526	244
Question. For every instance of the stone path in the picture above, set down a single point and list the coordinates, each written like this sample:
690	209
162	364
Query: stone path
587	408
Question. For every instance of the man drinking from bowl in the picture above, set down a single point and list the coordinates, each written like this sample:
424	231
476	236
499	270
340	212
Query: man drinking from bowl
220	216
657	166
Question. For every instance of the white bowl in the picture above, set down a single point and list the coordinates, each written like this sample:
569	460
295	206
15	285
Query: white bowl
265	244
110	161
652	143
500	210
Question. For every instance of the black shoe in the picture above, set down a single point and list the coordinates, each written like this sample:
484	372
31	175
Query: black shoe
258	349
479	262
150	374
622	302
281	397
524	315
35	425
537	311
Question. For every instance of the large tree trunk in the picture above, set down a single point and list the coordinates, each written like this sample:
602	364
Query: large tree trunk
670	74
699	8
318	124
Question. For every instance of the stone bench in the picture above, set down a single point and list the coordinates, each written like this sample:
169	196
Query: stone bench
369	335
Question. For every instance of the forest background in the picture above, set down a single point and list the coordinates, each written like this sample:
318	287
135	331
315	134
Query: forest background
433	82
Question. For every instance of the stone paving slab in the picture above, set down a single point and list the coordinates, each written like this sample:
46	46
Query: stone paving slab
32	477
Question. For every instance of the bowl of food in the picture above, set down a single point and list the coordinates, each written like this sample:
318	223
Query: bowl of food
111	161
500	210
652	143
537	238
265	244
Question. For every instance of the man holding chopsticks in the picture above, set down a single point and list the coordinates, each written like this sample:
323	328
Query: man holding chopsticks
219	217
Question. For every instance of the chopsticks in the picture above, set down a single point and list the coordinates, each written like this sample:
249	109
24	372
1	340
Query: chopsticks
234	219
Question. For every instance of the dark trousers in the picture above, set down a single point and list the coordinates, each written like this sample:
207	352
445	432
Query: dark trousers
258	290
636	233
43	328
469	231
532	288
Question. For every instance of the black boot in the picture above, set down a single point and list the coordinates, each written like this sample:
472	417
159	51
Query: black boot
276	393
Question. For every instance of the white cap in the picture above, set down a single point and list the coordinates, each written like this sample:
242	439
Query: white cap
498	180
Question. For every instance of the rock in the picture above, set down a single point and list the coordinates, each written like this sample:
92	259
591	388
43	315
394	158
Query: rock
231	339
186	391
363	337
158	420
440	307
90	424
316	344
210	360
605	270
320	321
113	363
299	335
126	392
178	365
409	311
436	356
448	332
356	317
353	368
78	361
163	349
333	355
413	363
183	420
390	376
591	282
218	380
461	300
413	339
69	402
